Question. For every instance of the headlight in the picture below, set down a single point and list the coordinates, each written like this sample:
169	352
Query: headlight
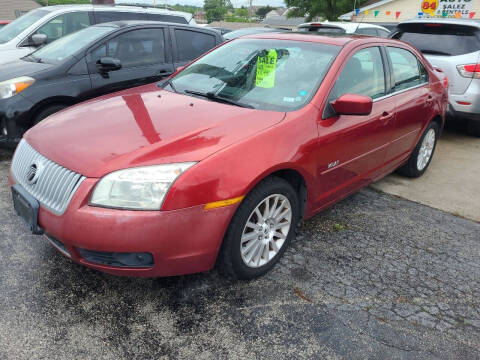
142	188
15	86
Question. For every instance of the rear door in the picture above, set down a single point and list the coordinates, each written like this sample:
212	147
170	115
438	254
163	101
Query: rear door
412	95
145	56
190	43
352	149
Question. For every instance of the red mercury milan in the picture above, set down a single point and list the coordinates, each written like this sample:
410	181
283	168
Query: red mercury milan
221	161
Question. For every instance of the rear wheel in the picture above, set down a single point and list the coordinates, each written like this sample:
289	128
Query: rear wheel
260	230
47	112
421	156
473	128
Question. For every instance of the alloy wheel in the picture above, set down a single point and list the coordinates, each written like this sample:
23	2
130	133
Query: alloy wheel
426	149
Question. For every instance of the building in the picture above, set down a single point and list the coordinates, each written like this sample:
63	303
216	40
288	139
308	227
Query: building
9	10
394	11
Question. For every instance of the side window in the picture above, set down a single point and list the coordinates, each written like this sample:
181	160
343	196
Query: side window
363	75
406	69
107	16
167	18
423	73
135	48
192	44
64	24
367	31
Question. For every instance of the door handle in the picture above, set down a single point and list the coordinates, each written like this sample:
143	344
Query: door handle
385	118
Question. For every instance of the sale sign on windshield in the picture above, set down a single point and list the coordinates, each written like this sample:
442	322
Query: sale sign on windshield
447	8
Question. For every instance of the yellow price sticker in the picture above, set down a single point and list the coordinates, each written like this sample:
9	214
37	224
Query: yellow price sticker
429	6
266	65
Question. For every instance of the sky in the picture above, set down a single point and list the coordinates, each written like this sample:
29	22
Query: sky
236	3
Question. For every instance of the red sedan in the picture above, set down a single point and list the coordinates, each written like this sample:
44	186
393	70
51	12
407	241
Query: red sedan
221	161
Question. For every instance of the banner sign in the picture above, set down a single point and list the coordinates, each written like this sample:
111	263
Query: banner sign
446	8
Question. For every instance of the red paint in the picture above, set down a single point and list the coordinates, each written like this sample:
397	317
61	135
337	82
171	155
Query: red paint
235	148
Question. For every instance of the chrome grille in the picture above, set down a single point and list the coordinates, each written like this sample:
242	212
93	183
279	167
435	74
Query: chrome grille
51	184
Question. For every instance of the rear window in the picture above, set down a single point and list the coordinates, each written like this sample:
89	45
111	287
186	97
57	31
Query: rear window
438	39
167	18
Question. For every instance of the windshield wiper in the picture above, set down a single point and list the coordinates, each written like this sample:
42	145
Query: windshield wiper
167	83
215	97
33	58
435	52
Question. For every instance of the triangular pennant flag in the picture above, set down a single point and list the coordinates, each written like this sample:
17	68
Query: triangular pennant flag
388	13
377	12
366	12
357	11
397	14
471	15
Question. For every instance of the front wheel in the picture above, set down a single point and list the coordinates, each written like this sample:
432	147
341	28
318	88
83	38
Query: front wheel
422	155
260	230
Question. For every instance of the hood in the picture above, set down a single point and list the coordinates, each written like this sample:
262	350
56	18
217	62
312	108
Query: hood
143	126
17	68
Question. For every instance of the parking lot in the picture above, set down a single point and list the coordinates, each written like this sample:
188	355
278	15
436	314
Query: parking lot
375	276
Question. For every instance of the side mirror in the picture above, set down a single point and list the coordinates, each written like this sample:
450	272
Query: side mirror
39	40
107	64
350	104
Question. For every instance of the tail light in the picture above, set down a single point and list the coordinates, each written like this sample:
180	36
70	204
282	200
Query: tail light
445	83
469	71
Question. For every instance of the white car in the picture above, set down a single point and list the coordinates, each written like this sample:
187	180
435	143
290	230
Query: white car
47	24
338	28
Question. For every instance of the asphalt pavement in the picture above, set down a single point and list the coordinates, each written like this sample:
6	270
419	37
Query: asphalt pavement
373	277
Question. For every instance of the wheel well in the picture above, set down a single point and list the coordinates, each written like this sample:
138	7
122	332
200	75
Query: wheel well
59	100
439	121
297	181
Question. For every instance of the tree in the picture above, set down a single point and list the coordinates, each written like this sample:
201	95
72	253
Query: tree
215	10
329	9
264	10
242	12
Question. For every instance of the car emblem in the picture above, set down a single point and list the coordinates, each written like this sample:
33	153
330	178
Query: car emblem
34	172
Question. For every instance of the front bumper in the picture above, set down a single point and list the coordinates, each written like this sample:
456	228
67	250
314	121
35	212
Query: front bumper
14	119
181	241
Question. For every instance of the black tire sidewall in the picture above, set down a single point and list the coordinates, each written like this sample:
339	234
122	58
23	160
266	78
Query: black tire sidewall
231	247
414	172
42	115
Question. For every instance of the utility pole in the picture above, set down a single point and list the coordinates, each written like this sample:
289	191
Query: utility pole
250	12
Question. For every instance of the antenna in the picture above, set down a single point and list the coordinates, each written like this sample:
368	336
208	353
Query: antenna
361	21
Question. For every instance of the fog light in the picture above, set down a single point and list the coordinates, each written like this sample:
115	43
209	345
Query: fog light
118	259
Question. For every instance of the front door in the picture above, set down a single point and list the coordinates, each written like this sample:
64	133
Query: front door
352	149
142	54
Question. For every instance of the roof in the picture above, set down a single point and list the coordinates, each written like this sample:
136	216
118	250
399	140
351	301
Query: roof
367	6
464	22
89	7
349	27
8	8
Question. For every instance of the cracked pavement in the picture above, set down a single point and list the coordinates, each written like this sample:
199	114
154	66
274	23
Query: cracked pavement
375	277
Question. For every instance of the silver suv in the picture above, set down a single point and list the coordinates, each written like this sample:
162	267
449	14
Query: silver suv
454	47
47	24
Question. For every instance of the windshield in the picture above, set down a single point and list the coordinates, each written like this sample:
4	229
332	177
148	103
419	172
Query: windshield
67	46
276	75
8	32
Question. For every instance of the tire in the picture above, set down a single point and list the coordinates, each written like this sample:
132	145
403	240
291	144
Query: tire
47	112
234	254
413	168
473	128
